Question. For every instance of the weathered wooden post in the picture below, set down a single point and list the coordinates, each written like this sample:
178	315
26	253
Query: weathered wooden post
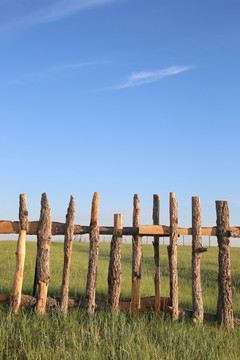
43	254
173	255
114	269
20	254
224	305
93	257
157	302
197	249
69	232
136	259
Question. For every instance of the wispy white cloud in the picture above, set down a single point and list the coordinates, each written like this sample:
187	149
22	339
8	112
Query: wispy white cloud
35	76
55	12
145	77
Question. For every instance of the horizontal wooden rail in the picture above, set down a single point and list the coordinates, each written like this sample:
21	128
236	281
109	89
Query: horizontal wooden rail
12	227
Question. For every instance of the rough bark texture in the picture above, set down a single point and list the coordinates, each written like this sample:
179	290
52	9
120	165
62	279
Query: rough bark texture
224	305
43	253
20	254
93	257
69	231
136	259
173	257
114	269
156	211
197	302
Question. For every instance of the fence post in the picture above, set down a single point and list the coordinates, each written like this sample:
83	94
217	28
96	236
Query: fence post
68	239
136	260
173	255
114	269
156	211
197	302
43	254
20	254
93	257
224	305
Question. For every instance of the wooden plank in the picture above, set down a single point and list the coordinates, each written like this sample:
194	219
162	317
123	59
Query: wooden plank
68	240
156	212
20	254
197	301
224	305
136	260
93	257
114	269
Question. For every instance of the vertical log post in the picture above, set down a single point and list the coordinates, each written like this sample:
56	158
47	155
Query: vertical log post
115	270
197	302
69	232
136	260
20	254
43	254
93	257
171	195
157	302
173	256
224	305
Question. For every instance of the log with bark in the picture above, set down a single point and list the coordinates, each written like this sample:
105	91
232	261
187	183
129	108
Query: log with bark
224	304
93	257
68	239
114	269
20	254
136	260
156	211
43	254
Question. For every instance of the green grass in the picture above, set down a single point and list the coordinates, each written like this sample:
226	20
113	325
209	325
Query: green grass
115	337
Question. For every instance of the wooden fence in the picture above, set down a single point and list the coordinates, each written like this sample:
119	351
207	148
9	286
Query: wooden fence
45	228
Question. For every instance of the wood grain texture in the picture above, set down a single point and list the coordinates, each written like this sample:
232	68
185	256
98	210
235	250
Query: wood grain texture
224	304
90	293
173	257
197	302
43	254
114	269
136	260
68	240
156	215
20	254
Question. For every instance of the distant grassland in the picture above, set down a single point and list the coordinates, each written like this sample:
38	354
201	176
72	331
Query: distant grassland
116	337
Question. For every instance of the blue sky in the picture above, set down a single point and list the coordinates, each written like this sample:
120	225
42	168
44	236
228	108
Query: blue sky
120	97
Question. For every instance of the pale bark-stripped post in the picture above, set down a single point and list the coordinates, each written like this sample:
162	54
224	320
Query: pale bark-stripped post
224	305
43	254
197	302
136	260
173	255
114	269
20	254
93	257
69	232
157	303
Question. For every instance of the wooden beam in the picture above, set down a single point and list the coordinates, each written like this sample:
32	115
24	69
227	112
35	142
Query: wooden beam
12	227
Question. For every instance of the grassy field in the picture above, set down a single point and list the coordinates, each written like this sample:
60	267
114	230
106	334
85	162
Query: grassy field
115	337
